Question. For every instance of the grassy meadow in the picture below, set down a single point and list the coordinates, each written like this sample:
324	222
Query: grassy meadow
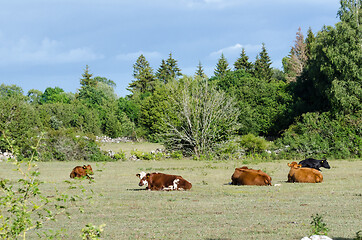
212	209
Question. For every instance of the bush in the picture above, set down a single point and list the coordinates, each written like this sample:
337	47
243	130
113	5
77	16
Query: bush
253	144
65	145
323	135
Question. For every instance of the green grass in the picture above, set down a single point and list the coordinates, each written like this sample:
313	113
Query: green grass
212	209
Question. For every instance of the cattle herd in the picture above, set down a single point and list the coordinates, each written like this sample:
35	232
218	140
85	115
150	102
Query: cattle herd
306	171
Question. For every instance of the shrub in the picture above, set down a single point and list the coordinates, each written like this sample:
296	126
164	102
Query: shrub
65	145
323	135
253	144
318	226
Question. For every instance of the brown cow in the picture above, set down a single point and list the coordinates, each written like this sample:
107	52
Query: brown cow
161	181
246	176
303	175
79	171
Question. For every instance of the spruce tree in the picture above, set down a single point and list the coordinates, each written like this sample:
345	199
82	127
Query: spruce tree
310	39
143	75
222	67
168	70
262	65
243	62
200	71
87	79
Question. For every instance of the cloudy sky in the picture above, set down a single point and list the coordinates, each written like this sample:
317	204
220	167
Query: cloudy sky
48	43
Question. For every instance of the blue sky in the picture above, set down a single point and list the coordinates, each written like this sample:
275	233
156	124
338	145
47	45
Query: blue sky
48	43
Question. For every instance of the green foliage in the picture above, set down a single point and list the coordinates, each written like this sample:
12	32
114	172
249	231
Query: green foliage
318	226
322	135
23	206
54	95
168	70
242	63
20	121
254	144
176	154
263	108
262	69
65	145
222	67
92	232
197	117
87	80
144	77
358	235
120	156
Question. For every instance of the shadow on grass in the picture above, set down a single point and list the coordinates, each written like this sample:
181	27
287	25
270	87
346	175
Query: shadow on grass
136	189
342	238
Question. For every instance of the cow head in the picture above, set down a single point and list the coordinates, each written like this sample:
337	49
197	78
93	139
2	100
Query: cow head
294	165
325	164
88	169
143	178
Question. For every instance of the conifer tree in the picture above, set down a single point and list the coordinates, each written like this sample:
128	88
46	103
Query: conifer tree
168	70
262	64
200	71
243	62
310	39
143	75
87	79
297	58
222	67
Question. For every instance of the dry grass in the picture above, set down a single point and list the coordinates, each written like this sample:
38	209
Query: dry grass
212	209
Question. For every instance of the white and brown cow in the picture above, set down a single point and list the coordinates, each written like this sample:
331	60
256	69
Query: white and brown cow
161	181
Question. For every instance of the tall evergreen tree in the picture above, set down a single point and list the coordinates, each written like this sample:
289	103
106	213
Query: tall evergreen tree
200	71
168	70
243	62
87	79
143	75
262	69
222	67
297	58
310	39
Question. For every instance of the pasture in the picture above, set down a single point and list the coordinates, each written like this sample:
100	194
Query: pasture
212	209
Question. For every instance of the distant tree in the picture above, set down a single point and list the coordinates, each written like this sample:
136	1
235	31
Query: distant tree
34	96
262	69
54	95
200	71
143	75
104	80
243	62
297	58
168	70
222	67
310	39
197	117
87	79
11	91
333	76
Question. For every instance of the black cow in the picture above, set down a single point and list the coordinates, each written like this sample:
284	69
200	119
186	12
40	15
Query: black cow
314	163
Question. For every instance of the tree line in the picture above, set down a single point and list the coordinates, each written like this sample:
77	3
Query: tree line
312	107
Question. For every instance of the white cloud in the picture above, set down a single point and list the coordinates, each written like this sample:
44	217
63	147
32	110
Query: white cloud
236	50
134	55
45	52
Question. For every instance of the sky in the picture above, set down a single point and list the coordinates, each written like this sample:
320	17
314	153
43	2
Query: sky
48	43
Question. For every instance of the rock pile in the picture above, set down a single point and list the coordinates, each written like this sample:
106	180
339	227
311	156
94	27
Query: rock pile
4	156
106	139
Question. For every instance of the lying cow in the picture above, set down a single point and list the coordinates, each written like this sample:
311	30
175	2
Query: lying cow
79	171
314	163
303	175
246	176
161	181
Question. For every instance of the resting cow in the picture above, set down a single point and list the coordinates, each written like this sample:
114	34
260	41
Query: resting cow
79	171
303	175
246	176
161	181
314	163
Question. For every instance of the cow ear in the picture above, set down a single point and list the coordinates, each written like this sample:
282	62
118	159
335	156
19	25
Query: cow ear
288	164
138	175
148	175
84	167
299	165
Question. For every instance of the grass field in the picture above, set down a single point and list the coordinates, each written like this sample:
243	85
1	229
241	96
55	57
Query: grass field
212	209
